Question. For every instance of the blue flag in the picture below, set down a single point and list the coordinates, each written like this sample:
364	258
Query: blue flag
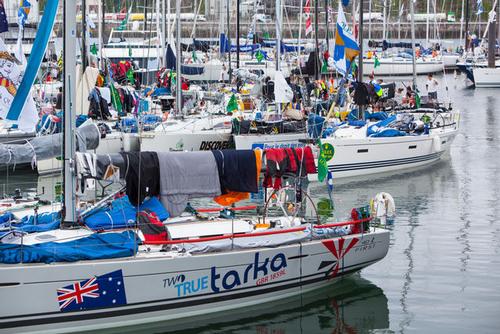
346	47
107	290
480	8
22	13
4	25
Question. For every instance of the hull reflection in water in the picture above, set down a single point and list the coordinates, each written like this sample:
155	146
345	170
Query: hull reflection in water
353	305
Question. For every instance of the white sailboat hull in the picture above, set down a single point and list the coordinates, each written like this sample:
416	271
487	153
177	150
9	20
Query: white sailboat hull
401	66
357	157
485	77
165	286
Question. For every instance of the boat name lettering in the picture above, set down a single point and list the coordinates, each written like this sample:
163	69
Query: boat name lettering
192	286
234	278
214	145
170	281
276	145
366	245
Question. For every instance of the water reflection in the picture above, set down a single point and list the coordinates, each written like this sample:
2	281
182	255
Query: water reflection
353	305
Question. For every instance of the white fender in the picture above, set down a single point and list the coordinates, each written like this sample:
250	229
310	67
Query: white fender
436	143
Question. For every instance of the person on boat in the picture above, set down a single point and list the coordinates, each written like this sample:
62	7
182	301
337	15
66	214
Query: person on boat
59	98
431	87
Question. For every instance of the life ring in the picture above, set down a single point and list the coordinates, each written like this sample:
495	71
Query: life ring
383	206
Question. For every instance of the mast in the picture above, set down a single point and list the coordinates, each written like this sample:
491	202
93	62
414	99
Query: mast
316	59
237	33
414	62
159	37
384	27
466	25
400	11
84	36
360	67
427	24
369	19
99	31
462	20
163	39
178	65
326	25
492	21
69	82
229	42
278	45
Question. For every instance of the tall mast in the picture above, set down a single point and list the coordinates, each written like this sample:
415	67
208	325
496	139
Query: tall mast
326	25
360	67
229	42
462	20
384	27
99	31
427	24
370	19
237	33
163	39
69	82
414	62
278	44
84	36
316	59
178	64
466	25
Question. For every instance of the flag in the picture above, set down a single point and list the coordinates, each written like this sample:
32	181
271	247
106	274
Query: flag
376	62
324	67
346	47
115	97
259	56
345	3
103	291
417	99
329	182
232	105
22	13
130	76
307	12
378	90
93	49
326	152
4	25
480	8
193	55
130	52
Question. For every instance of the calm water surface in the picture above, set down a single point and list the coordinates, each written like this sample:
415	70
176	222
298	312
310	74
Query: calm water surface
442	272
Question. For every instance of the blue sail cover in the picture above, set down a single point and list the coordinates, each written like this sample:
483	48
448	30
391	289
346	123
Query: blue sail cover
186	70
35	59
271	43
94	247
225	47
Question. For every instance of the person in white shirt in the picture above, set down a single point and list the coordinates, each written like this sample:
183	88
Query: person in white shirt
431	86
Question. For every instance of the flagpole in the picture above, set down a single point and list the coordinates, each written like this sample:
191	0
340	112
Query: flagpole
300	34
326	24
360	67
370	19
84	36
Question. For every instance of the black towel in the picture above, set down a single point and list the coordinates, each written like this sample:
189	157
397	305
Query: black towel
142	175
237	170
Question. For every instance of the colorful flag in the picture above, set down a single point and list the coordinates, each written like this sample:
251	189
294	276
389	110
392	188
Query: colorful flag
130	76
103	291
346	47
480	8
259	56
232	105
115	97
93	49
417	99
307	12
378	90
22	13
376	62
326	152
4	25
193	55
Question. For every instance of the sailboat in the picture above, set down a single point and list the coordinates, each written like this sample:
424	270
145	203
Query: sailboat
73	278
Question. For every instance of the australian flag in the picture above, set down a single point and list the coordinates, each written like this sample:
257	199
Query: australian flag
4	25
103	291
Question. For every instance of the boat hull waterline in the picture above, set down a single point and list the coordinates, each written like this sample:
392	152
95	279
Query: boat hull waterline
159	287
